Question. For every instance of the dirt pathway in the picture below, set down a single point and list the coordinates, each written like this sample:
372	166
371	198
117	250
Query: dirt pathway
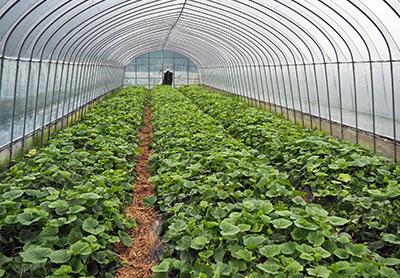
141	256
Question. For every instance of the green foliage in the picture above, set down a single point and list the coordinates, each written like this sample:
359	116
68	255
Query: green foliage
150	201
62	207
359	189
35	254
125	238
231	212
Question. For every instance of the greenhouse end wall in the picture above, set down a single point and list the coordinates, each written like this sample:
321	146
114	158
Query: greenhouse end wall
148	69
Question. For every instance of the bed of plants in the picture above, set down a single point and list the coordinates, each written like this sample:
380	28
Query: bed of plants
344	178
229	212
61	207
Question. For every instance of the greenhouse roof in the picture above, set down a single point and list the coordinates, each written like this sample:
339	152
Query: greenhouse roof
211	33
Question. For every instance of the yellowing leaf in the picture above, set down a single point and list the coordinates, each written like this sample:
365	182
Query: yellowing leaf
344	177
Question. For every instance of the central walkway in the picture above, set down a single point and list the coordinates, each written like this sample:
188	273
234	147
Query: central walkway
142	255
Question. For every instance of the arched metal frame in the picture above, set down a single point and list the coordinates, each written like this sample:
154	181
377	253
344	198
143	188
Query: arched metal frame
321	60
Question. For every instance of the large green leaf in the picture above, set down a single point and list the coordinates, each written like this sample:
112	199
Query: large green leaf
12	194
305	224
76	208
59	204
293	266
199	242
90	196
149	201
316	238
179	225
92	226
319	271
391	238
36	254
81	248
316	211
269	267
388	272
228	229
357	250
270	251
281	223
31	215
59	256
337	221
244	254
163	267
253	241
63	271
344	177
125	238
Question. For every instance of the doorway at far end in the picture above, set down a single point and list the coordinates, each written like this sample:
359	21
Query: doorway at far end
168	78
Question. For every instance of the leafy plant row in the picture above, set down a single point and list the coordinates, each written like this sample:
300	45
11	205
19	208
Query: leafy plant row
61	208
346	179
230	213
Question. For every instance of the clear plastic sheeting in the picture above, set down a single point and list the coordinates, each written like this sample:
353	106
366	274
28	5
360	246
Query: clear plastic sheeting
335	61
52	91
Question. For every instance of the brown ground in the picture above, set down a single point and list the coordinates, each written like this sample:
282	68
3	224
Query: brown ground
140	256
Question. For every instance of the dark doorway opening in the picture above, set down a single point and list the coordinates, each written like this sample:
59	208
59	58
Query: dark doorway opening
167	78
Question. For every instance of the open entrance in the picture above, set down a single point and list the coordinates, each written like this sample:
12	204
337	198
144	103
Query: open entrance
167	78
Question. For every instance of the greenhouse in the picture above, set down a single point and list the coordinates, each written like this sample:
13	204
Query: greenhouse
188	138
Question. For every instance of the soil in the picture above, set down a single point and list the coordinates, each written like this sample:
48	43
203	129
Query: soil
142	255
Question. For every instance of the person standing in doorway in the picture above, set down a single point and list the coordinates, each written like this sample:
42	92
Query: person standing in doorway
167	78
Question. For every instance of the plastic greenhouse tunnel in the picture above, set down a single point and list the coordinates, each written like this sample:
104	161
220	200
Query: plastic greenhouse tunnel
199	138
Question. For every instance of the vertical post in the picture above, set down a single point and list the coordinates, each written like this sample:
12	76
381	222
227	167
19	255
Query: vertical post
82	88
148	68
136	69
162	66
291	95
71	94
52	99
173	69
299	93
115	74
328	98
86	85
308	94
14	110
256	85
272	88
372	102
70	68
59	92
79	88
37	100
26	104
264	73
92	85
1	73
393	111
187	71
319	104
